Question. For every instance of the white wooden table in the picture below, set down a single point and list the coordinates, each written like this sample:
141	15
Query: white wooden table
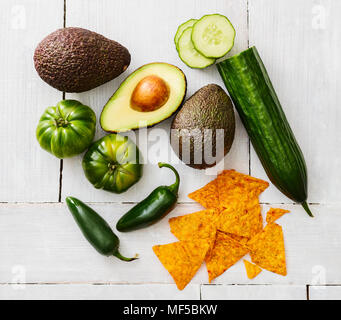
42	252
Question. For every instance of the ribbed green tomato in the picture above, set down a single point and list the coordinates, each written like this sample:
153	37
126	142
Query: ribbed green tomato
66	129
113	163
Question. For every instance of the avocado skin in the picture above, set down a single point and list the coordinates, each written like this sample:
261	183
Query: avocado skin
77	60
208	108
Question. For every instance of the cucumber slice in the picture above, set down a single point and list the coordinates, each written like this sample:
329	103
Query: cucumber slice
213	35
189	55
181	29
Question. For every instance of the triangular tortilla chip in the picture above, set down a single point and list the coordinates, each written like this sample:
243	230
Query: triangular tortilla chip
232	185
197	225
182	259
267	249
242	217
207	196
275	213
252	270
226	253
201	224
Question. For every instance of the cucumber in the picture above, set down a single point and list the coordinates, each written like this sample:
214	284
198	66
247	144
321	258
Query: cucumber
181	29
213	35
255	99
189	55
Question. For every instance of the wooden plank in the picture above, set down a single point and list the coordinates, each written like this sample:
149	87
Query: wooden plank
324	292
47	246
299	43
148	32
27	172
250	292
98	291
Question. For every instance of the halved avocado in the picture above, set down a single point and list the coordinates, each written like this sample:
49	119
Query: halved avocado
148	96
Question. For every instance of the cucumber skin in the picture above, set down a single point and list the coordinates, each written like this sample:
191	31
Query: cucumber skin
255	99
187	63
176	37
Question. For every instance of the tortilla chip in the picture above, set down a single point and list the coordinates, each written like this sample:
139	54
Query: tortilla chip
201	224
233	185
275	213
182	259
252	270
240	239
197	225
243	217
226	253
207	196
229	228
267	249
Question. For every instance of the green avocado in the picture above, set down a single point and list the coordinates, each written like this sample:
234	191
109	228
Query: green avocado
77	60
202	132
148	96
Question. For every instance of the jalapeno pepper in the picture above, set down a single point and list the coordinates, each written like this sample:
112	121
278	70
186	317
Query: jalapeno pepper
95	229
158	204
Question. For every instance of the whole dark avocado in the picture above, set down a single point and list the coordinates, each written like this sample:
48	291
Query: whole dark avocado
202	132
77	60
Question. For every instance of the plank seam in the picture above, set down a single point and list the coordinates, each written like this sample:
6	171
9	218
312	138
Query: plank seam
162	283
106	283
179	203
64	17
248	45
248	23
60	180
63	97
201	285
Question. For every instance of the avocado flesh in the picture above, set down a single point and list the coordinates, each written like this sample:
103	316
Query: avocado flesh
209	108
118	115
77	59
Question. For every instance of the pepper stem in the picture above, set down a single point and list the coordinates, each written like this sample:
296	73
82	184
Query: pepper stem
119	256
306	208
175	186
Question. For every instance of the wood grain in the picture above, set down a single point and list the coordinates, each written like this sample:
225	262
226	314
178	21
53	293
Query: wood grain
86	291
324	292
42	249
249	292
28	173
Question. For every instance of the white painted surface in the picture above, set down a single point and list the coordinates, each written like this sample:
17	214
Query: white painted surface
27	174
98	292
39	242
249	292
324	292
47	246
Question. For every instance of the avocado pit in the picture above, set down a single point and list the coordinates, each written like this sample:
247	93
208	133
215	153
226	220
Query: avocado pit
150	94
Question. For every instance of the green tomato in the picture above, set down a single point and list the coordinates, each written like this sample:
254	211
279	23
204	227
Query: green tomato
113	163
66	129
